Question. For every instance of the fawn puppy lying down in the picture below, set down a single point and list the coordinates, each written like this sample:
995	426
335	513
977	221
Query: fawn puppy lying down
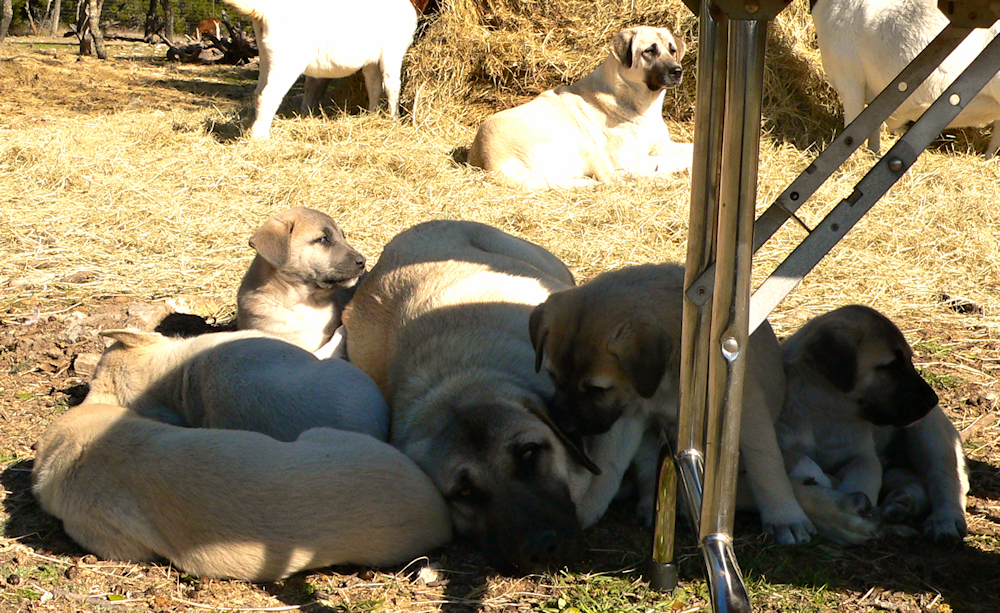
233	504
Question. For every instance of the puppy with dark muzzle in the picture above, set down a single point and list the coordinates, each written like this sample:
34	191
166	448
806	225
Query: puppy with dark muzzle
860	421
441	325
607	125
612	348
299	281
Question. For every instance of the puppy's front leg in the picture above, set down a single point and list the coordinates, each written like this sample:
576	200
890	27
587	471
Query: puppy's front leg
935	448
862	474
612	452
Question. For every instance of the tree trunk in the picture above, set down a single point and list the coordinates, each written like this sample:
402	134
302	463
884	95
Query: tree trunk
8	14
54	23
152	27
95	7
168	17
83	27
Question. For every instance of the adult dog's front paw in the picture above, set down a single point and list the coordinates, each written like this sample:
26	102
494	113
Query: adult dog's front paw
793	533
848	519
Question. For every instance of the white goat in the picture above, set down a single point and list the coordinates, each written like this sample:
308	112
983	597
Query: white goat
327	39
865	44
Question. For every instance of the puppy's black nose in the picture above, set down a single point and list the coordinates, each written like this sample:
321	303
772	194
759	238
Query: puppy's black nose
541	549
676	72
360	260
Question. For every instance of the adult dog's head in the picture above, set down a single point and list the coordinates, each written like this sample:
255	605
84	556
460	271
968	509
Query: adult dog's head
650	56
858	355
609	344
306	246
501	465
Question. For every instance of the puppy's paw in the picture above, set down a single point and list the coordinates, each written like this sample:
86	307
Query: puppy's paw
848	519
905	503
791	534
945	527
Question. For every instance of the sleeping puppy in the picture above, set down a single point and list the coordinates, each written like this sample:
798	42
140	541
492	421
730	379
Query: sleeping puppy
611	347
859	418
244	380
232	504
299	281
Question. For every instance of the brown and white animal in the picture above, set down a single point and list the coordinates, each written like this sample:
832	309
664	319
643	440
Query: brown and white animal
300	280
208	26
233	504
244	380
612	349
441	324
860	421
605	125
326	39
865	44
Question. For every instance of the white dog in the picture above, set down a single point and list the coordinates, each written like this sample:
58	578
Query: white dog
327	39
605	125
243	380
865	44
231	504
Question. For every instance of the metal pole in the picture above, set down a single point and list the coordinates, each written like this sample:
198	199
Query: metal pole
730	311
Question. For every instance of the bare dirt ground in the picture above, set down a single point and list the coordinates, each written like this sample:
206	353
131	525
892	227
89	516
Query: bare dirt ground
47	349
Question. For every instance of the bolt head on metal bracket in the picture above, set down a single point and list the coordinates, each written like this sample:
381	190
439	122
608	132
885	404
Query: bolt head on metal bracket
759	10
970	13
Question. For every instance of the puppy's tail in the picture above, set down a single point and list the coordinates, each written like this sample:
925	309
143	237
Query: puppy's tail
254	9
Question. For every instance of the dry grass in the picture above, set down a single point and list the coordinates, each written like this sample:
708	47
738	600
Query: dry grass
127	178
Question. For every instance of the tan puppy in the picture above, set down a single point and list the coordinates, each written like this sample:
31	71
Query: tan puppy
859	419
605	125
441	324
231	504
296	285
612	349
243	380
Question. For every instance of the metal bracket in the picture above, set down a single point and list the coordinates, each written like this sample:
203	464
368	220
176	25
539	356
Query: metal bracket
970	13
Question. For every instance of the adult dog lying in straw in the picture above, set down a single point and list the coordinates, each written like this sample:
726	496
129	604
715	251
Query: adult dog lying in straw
605	125
326	39
861	425
441	325
245	380
300	280
612	350
233	504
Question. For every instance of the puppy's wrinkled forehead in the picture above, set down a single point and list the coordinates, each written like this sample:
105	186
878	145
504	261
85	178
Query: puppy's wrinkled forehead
647	37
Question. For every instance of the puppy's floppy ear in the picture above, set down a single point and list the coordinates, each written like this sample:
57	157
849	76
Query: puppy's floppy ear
643	350
538	328
621	46
574	448
133	338
834	357
271	241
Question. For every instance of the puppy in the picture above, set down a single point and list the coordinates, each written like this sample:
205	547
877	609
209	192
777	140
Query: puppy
232	504
856	409
299	281
324	40
612	350
864	44
605	125
441	324
243	380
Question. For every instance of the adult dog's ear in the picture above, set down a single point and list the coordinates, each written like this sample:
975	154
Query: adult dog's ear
643	350
538	328
575	448
621	46
834	357
681	47
271	241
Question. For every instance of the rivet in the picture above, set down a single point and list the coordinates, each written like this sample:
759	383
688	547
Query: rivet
895	164
751	7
